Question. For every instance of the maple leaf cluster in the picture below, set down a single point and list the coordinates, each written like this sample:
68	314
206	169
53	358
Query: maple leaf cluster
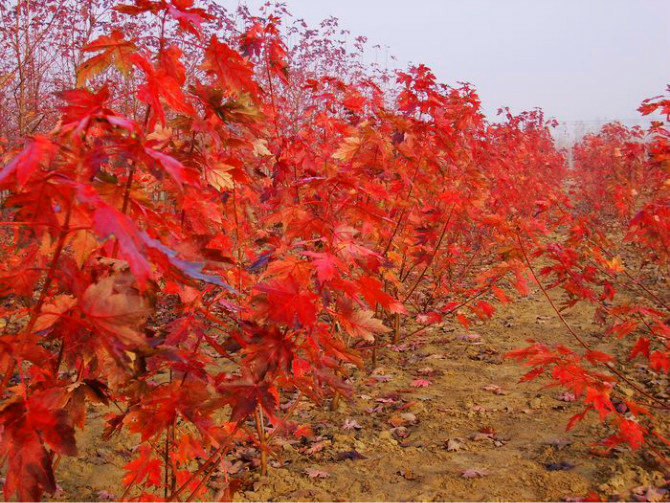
610	258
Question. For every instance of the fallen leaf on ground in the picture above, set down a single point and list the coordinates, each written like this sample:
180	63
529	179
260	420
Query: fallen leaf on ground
566	397
400	432
231	468
494	388
472	337
303	431
480	437
454	444
316	447
472	474
350	455
351	424
563	465
591	496
386	400
649	493
313	473
421	383
396	421
375	410
560	443
407	474
408	417
381	378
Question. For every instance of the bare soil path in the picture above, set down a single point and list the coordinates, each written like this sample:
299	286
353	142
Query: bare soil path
472	433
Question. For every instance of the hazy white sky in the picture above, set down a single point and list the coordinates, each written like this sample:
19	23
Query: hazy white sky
576	59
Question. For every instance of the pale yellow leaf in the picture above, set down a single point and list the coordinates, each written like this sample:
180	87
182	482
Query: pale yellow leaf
261	148
52	311
114	308
83	244
218	176
363	324
347	149
160	133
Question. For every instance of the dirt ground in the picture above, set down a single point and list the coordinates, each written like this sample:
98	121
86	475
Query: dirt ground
471	433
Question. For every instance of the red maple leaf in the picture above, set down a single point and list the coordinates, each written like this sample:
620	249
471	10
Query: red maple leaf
326	265
144	470
373	292
288	300
28	428
234	72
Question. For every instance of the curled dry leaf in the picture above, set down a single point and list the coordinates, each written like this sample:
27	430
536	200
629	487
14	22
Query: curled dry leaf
408	417
353	455
494	388
560	466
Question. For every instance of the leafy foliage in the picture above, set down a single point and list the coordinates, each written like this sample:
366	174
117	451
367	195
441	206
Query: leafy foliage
218	226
